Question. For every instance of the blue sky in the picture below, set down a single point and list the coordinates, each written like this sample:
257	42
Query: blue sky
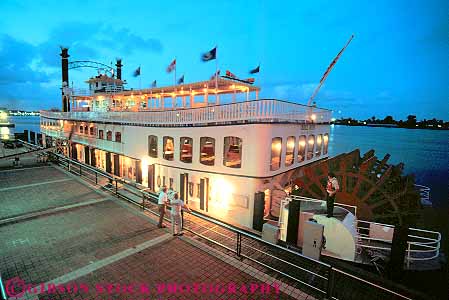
397	64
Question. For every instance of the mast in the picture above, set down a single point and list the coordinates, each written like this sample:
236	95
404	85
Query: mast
329	69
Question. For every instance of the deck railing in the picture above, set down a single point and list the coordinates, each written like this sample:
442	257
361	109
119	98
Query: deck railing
421	244
424	193
111	146
265	110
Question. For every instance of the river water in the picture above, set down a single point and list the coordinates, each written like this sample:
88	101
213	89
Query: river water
425	153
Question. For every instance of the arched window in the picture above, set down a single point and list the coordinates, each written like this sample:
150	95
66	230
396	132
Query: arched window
310	144
325	143
232	152
290	151
109	135
91	130
100	134
276	150
207	153
319	143
81	129
86	129
186	150
301	148
169	148
118	137
152	146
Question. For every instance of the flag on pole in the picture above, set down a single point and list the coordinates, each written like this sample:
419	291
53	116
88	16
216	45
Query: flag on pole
256	70
181	80
153	84
137	72
229	74
210	55
171	66
216	74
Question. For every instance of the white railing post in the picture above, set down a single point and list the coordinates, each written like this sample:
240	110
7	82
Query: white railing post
408	255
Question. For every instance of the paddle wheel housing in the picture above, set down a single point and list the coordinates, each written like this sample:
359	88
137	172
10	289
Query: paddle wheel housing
378	189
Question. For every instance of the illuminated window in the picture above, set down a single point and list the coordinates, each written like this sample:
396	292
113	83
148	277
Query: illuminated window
301	148
232	154
290	151
325	143
91	130
169	148
100	134
276	150
81	129
185	153
207	153
319	143
152	146
118	137
109	135
310	144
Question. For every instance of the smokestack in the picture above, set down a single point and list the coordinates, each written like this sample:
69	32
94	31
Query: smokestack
65	79
119	68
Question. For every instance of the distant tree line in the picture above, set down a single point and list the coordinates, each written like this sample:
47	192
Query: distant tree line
388	121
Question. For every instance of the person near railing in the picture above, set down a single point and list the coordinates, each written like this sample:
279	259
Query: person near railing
162	202
177	205
332	188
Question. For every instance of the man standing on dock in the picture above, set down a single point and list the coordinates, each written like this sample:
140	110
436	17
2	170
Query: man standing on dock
332	188
162	202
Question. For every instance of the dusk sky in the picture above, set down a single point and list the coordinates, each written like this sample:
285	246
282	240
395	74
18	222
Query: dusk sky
397	64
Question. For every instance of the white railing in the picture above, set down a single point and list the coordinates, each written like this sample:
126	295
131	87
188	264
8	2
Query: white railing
89	140
350	208
421	244
424	193
80	92
267	110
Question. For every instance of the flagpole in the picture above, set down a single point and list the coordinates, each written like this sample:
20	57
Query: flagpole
140	78
216	76
175	70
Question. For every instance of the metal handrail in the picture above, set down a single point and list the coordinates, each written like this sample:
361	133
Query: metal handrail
427	243
2	289
307	199
373	284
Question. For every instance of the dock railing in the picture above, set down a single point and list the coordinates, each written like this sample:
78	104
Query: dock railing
315	277
3	295
254	111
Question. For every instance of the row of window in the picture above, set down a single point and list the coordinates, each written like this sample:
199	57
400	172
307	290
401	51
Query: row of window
91	131
232	151
308	147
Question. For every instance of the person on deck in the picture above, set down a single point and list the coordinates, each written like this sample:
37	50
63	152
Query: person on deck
176	221
162	202
332	188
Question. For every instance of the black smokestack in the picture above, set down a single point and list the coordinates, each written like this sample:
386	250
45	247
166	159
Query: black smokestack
65	78
119	68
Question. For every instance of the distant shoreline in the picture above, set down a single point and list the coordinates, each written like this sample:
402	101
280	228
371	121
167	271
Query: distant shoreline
394	126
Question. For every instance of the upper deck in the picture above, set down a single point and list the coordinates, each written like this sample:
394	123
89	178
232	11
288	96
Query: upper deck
211	102
254	111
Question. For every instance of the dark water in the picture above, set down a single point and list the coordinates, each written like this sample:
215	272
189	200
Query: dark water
26	122
425	153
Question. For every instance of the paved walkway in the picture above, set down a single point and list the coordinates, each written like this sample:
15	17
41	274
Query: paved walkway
71	234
